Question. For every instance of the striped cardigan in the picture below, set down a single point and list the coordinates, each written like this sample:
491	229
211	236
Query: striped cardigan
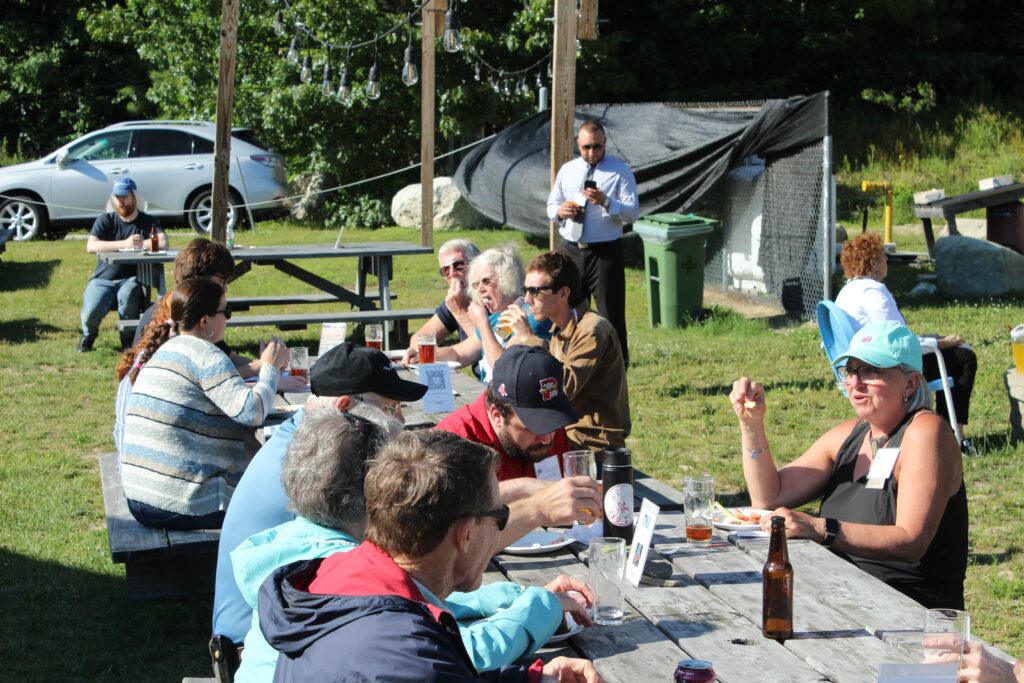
183	448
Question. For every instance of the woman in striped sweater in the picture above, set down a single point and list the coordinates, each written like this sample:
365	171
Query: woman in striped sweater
188	414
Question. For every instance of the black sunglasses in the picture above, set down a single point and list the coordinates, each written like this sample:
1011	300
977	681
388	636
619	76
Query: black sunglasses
458	265
590	147
500	516
534	291
226	311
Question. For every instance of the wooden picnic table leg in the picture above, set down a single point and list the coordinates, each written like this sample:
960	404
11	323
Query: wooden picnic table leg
384	284
951	224
325	285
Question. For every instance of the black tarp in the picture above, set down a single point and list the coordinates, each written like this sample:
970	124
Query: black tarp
677	152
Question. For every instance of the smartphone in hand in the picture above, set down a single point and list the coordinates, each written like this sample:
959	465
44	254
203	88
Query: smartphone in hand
589	185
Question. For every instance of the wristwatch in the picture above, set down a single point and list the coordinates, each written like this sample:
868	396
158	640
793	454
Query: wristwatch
831	531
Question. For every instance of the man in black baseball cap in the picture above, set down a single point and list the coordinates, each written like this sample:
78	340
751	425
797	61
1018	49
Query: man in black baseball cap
341	378
523	415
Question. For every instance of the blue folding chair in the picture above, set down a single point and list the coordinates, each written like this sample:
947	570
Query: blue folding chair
837	328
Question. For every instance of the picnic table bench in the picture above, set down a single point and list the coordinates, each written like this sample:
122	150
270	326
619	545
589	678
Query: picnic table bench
5	235
949	207
157	563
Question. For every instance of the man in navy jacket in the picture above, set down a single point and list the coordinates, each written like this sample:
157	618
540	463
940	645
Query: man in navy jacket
377	612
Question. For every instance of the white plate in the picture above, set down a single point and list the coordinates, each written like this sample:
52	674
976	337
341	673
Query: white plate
721	521
147	252
559	637
129	249
538	542
284	411
454	365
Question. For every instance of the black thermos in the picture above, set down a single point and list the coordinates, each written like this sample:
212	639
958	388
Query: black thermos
616	473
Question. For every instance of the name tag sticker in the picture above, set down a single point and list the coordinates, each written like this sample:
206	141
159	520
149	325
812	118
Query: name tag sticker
548	469
881	467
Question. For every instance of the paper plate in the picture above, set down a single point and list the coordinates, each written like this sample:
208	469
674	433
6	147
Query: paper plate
722	522
129	249
538	542
559	637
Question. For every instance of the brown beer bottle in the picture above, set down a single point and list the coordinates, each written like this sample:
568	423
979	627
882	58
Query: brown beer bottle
777	596
154	240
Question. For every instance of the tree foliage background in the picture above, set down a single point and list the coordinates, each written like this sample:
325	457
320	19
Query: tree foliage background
66	69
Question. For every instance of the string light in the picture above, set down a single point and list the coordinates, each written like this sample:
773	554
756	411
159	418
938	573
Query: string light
279	23
306	75
409	74
452	28
345	82
293	51
327	87
373	82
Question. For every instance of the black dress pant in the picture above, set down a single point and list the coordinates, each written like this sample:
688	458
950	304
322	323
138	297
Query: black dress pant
603	270
961	365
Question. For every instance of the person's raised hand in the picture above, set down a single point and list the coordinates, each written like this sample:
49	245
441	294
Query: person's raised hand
479	315
516	319
275	353
457	298
410	356
571	499
748	400
570	670
567	210
595	195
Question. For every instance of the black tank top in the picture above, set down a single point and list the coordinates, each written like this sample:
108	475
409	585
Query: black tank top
937	580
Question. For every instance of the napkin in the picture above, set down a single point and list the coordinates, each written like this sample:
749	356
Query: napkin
582	533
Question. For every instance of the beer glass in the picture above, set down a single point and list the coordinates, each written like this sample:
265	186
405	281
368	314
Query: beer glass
699	505
300	362
946	634
1017	347
375	336
607	558
580	464
426	344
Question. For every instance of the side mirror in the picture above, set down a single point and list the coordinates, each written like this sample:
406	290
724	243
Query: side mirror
62	159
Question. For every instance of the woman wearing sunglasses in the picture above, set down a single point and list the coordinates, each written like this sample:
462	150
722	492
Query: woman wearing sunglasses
890	480
189	413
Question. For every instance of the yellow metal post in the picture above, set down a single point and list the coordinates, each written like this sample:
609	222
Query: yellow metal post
867	186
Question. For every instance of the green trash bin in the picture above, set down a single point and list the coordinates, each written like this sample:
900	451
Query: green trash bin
674	265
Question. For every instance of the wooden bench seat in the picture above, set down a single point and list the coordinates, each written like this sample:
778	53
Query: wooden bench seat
244	303
299	321
157	563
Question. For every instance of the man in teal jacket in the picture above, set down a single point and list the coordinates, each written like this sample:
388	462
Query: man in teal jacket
323	477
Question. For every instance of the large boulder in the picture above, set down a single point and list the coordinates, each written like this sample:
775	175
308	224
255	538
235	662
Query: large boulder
451	211
972	268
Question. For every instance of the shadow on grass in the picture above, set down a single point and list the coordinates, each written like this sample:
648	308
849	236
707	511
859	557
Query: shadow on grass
725	389
25	330
87	618
991	442
26	275
989	559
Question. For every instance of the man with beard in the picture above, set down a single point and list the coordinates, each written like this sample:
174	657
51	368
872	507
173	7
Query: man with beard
124	228
522	416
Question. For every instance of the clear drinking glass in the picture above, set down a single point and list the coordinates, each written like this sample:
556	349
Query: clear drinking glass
699	505
946	634
375	336
607	557
300	362
580	464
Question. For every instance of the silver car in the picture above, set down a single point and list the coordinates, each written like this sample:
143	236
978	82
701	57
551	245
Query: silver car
172	163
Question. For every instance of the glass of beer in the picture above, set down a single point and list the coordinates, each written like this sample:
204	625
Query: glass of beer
607	562
580	464
699	505
426	344
1017	347
300	362
375	336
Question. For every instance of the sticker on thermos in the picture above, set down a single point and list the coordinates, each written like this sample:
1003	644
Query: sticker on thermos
618	504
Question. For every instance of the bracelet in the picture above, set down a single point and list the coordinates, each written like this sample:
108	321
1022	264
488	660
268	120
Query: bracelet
754	452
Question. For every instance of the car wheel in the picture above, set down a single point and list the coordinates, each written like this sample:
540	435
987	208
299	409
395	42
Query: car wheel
200	211
27	216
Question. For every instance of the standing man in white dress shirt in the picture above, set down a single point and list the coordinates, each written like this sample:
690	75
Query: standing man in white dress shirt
593	198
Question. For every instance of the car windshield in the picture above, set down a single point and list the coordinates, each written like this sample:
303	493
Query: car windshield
100	147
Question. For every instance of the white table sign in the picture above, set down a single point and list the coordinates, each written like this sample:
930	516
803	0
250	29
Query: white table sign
643	533
437	377
331	334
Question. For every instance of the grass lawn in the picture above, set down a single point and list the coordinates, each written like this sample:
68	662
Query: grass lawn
66	616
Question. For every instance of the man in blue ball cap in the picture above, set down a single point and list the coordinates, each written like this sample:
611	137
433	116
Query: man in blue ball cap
124	228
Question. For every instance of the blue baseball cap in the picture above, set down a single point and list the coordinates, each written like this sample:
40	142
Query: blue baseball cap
884	344
123	187
533	381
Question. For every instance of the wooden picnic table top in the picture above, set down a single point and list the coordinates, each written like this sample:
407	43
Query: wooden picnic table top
280	253
844	619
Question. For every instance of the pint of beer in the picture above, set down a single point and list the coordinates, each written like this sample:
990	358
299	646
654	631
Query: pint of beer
375	336
300	362
1017	347
426	343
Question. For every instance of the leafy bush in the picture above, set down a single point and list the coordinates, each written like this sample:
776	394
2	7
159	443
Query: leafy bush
363	211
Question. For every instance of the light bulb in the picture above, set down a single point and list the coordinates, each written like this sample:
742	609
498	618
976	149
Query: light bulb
279	23
373	84
307	69
539	82
409	74
327	88
345	87
476	73
293	51
452	26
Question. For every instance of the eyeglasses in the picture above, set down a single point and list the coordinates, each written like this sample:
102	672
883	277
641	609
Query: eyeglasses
226	311
868	374
595	147
500	516
457	265
534	291
485	281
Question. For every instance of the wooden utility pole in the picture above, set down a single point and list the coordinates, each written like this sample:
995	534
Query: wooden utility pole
225	102
433	23
563	94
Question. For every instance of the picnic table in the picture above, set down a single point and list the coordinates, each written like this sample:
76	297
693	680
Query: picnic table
949	207
845	621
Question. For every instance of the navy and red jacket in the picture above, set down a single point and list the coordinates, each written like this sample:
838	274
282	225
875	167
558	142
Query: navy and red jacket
358	616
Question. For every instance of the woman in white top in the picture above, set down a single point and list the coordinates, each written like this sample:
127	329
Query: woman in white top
866	299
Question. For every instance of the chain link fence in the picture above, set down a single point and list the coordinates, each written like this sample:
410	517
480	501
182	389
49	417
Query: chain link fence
775	217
